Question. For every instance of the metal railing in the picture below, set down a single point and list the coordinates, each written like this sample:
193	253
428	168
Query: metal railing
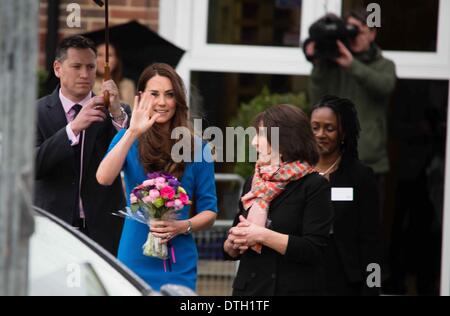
215	275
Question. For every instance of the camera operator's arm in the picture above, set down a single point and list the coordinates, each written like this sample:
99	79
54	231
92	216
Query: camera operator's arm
319	82
379	78
346	58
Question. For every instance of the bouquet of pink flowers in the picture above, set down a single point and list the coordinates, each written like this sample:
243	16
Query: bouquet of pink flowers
160	197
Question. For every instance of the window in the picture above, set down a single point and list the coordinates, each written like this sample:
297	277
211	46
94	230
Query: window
406	25
219	95
254	22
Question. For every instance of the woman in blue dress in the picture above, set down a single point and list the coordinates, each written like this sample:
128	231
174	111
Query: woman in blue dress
146	147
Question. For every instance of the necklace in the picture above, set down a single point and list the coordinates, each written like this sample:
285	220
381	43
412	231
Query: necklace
331	167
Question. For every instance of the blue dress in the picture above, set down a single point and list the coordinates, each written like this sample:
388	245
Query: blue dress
198	181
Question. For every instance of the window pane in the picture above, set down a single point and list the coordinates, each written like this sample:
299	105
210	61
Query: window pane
406	25
217	96
254	22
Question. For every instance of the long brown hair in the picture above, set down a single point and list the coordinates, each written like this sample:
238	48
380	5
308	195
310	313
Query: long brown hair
155	145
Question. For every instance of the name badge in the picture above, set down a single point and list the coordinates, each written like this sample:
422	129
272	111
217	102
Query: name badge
341	194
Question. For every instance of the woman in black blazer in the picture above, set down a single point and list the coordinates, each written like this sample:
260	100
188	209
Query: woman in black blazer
285	215
354	239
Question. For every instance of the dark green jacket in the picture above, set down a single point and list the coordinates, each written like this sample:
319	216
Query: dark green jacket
369	83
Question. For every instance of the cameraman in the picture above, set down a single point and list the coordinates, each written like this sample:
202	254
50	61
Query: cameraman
363	75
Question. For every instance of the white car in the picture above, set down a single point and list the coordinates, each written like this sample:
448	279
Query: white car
64	262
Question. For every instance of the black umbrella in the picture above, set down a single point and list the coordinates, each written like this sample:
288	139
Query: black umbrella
138	47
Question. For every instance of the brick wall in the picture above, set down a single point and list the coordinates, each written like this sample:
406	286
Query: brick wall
92	17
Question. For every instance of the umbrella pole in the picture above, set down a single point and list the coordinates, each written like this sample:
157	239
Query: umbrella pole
107	75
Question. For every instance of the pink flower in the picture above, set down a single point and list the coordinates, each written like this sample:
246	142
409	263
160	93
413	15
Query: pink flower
170	204
154	194
178	204
184	198
167	192
133	198
160	180
148	183
160	186
148	199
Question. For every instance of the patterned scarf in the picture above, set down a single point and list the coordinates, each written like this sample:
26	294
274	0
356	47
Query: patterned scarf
268	182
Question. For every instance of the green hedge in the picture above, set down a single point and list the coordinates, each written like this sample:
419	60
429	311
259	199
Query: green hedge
42	79
248	112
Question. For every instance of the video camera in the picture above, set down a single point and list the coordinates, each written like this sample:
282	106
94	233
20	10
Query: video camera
325	32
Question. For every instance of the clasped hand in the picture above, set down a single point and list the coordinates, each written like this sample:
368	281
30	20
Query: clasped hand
245	235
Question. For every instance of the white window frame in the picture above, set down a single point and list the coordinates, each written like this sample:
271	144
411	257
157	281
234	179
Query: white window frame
184	22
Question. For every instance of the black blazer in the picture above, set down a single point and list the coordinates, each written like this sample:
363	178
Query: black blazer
57	178
356	224
304	212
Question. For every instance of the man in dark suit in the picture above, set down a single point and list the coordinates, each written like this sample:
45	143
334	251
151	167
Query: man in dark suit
74	130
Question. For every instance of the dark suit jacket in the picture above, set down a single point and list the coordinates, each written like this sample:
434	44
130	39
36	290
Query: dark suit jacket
356	223
304	212
57	178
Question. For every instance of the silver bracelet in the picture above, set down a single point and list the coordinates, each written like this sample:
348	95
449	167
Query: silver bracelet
120	117
189	229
